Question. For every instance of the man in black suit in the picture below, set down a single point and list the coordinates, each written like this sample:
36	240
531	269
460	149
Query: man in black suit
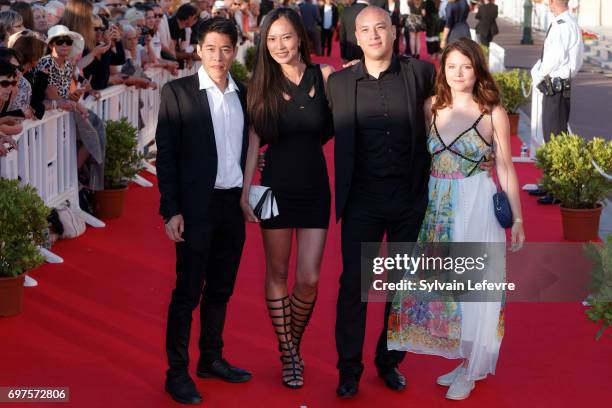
382	172
312	22
202	140
349	50
329	22
487	24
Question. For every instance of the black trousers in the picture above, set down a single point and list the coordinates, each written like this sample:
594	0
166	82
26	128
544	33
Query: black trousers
485	39
373	210
555	114
314	35
205	273
326	41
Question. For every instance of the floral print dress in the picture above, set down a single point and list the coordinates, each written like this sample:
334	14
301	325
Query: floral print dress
460	209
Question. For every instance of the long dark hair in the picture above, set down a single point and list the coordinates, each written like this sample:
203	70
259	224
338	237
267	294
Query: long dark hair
268	82
485	92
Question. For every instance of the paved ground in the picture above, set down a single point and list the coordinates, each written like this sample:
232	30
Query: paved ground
591	100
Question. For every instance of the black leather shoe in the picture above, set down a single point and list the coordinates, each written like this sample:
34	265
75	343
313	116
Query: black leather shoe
393	378
539	192
548	199
183	390
348	386
223	370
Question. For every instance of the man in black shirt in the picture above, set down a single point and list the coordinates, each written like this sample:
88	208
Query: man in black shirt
382	167
185	17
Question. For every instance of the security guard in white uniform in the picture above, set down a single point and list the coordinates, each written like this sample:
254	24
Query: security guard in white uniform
561	60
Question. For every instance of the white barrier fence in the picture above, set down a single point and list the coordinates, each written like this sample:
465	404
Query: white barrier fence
46	155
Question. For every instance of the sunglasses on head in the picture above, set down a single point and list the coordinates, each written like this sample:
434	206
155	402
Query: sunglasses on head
63	40
6	83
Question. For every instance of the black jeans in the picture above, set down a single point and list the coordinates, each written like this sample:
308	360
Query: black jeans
555	114
207	274
326	41
373	210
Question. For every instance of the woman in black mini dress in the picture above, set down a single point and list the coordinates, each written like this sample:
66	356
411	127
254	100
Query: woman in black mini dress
289	112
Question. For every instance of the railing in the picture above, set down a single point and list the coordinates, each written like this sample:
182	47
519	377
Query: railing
46	155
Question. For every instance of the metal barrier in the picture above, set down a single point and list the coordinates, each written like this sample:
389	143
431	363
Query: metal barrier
46	155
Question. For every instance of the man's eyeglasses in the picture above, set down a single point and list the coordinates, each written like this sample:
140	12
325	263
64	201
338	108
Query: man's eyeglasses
159	15
6	83
61	41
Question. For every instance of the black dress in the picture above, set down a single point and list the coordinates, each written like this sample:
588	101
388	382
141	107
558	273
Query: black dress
295	166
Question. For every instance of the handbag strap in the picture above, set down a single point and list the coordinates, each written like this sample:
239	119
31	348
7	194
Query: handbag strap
496	176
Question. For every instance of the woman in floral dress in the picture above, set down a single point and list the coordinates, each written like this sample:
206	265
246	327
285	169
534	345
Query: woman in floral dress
467	124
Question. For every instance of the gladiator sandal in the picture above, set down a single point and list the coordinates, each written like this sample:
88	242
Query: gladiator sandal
280	314
300	316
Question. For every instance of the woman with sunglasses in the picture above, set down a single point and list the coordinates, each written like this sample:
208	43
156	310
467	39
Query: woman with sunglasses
109	51
8	85
19	101
59	68
11	22
30	50
151	58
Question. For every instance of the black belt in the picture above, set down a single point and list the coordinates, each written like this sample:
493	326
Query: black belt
228	191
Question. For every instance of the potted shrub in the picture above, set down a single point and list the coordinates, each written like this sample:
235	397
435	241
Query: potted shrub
600	301
511	84
249	58
23	220
569	174
239	72
121	164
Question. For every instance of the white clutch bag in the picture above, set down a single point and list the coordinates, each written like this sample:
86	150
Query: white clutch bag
263	203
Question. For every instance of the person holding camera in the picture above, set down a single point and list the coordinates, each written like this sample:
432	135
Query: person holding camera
561	59
108	51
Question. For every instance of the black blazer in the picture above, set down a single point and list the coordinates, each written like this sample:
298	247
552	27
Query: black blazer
186	149
419	78
487	13
334	15
349	50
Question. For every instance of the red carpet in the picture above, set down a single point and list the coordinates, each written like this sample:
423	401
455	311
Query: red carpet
96	324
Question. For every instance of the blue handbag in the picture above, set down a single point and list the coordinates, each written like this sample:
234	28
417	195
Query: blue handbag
503	211
501	204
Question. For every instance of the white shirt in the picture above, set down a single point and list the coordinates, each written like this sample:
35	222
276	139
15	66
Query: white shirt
156	45
228	124
164	33
563	50
404	7
327	16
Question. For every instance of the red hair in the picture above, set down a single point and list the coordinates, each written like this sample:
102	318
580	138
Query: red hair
485	92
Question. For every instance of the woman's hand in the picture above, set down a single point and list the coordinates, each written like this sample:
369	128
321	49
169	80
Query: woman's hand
11	130
66	105
7	140
28	113
101	49
249	215
518	236
10	120
350	63
82	110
